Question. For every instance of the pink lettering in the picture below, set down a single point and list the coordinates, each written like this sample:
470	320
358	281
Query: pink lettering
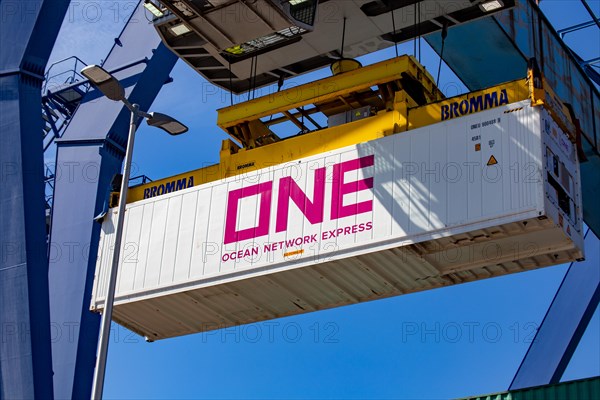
289	189
231	233
340	188
312	210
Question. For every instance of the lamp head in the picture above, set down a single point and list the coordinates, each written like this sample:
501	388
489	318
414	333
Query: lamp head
166	123
105	82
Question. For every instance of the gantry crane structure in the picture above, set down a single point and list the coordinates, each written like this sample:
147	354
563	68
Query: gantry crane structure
87	128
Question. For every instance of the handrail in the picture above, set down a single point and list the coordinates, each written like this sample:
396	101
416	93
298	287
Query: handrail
73	71
86	81
574	28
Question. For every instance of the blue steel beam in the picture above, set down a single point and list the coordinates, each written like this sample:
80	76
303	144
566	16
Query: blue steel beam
565	322
575	28
477	63
27	34
89	154
591	12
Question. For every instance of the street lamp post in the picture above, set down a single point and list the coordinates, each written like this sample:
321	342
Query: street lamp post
113	90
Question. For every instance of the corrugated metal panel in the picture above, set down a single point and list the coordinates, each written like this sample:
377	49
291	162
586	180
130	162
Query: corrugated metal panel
583	389
349	281
428	230
519	34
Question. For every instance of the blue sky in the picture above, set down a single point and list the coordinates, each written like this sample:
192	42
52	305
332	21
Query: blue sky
452	342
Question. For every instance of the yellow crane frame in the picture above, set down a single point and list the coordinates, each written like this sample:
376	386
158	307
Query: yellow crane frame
401	91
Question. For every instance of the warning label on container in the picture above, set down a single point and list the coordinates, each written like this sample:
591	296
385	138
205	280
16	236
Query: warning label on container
492	161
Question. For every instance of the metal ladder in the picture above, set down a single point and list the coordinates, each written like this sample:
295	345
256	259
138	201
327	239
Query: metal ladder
62	92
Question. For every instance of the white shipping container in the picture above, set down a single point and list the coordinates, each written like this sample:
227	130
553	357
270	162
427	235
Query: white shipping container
483	195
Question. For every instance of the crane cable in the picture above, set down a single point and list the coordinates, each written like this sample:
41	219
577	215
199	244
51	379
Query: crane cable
394	34
415	40
418	15
230	84
417	10
251	76
444	35
254	77
343	38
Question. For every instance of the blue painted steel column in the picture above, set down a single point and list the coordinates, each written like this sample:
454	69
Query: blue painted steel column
565	322
89	154
28	30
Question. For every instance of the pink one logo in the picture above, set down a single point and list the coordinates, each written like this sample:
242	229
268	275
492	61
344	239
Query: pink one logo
289	191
